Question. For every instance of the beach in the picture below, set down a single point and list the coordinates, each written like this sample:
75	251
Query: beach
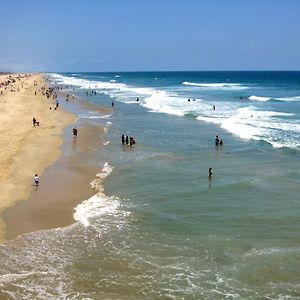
25	149
114	221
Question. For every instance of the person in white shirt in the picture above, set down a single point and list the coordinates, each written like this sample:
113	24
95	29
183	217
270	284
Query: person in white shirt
36	180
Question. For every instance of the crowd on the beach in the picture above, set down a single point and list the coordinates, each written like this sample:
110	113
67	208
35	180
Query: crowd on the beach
10	83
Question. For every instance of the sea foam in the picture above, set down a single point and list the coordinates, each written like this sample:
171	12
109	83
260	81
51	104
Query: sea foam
244	122
99	204
257	98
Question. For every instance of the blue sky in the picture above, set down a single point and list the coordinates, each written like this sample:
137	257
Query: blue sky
137	35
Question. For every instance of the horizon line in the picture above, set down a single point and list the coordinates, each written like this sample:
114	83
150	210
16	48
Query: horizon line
146	71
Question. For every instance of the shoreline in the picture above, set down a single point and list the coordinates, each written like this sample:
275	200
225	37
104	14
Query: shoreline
26	149
66	182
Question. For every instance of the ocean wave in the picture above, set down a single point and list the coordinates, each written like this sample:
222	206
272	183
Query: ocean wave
94	207
216	85
262	99
100	117
249	123
287	99
86	84
272	251
120	91
252	124
99	204
257	98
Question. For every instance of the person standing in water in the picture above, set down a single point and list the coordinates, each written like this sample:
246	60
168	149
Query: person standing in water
75	131
210	172
217	140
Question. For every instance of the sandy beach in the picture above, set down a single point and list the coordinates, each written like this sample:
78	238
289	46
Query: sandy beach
26	149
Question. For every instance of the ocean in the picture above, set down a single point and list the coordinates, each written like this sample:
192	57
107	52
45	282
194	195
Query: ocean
158	227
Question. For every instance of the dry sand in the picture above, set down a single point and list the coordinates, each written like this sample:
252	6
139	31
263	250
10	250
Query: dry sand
24	149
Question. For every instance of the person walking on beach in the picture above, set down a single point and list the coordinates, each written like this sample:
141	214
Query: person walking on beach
75	132
33	121
36	180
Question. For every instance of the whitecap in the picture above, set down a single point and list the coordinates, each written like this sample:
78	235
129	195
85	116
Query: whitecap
99	204
215	85
257	98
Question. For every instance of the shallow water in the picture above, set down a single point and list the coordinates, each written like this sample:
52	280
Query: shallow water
159	228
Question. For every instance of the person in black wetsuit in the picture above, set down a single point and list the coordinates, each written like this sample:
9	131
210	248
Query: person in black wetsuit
210	172
217	140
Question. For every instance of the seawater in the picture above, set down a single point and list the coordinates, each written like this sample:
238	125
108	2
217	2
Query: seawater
158	227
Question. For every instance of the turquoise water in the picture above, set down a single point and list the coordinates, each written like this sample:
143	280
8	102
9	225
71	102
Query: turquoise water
159	228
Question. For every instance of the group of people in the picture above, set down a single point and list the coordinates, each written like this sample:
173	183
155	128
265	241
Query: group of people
91	93
127	140
10	83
